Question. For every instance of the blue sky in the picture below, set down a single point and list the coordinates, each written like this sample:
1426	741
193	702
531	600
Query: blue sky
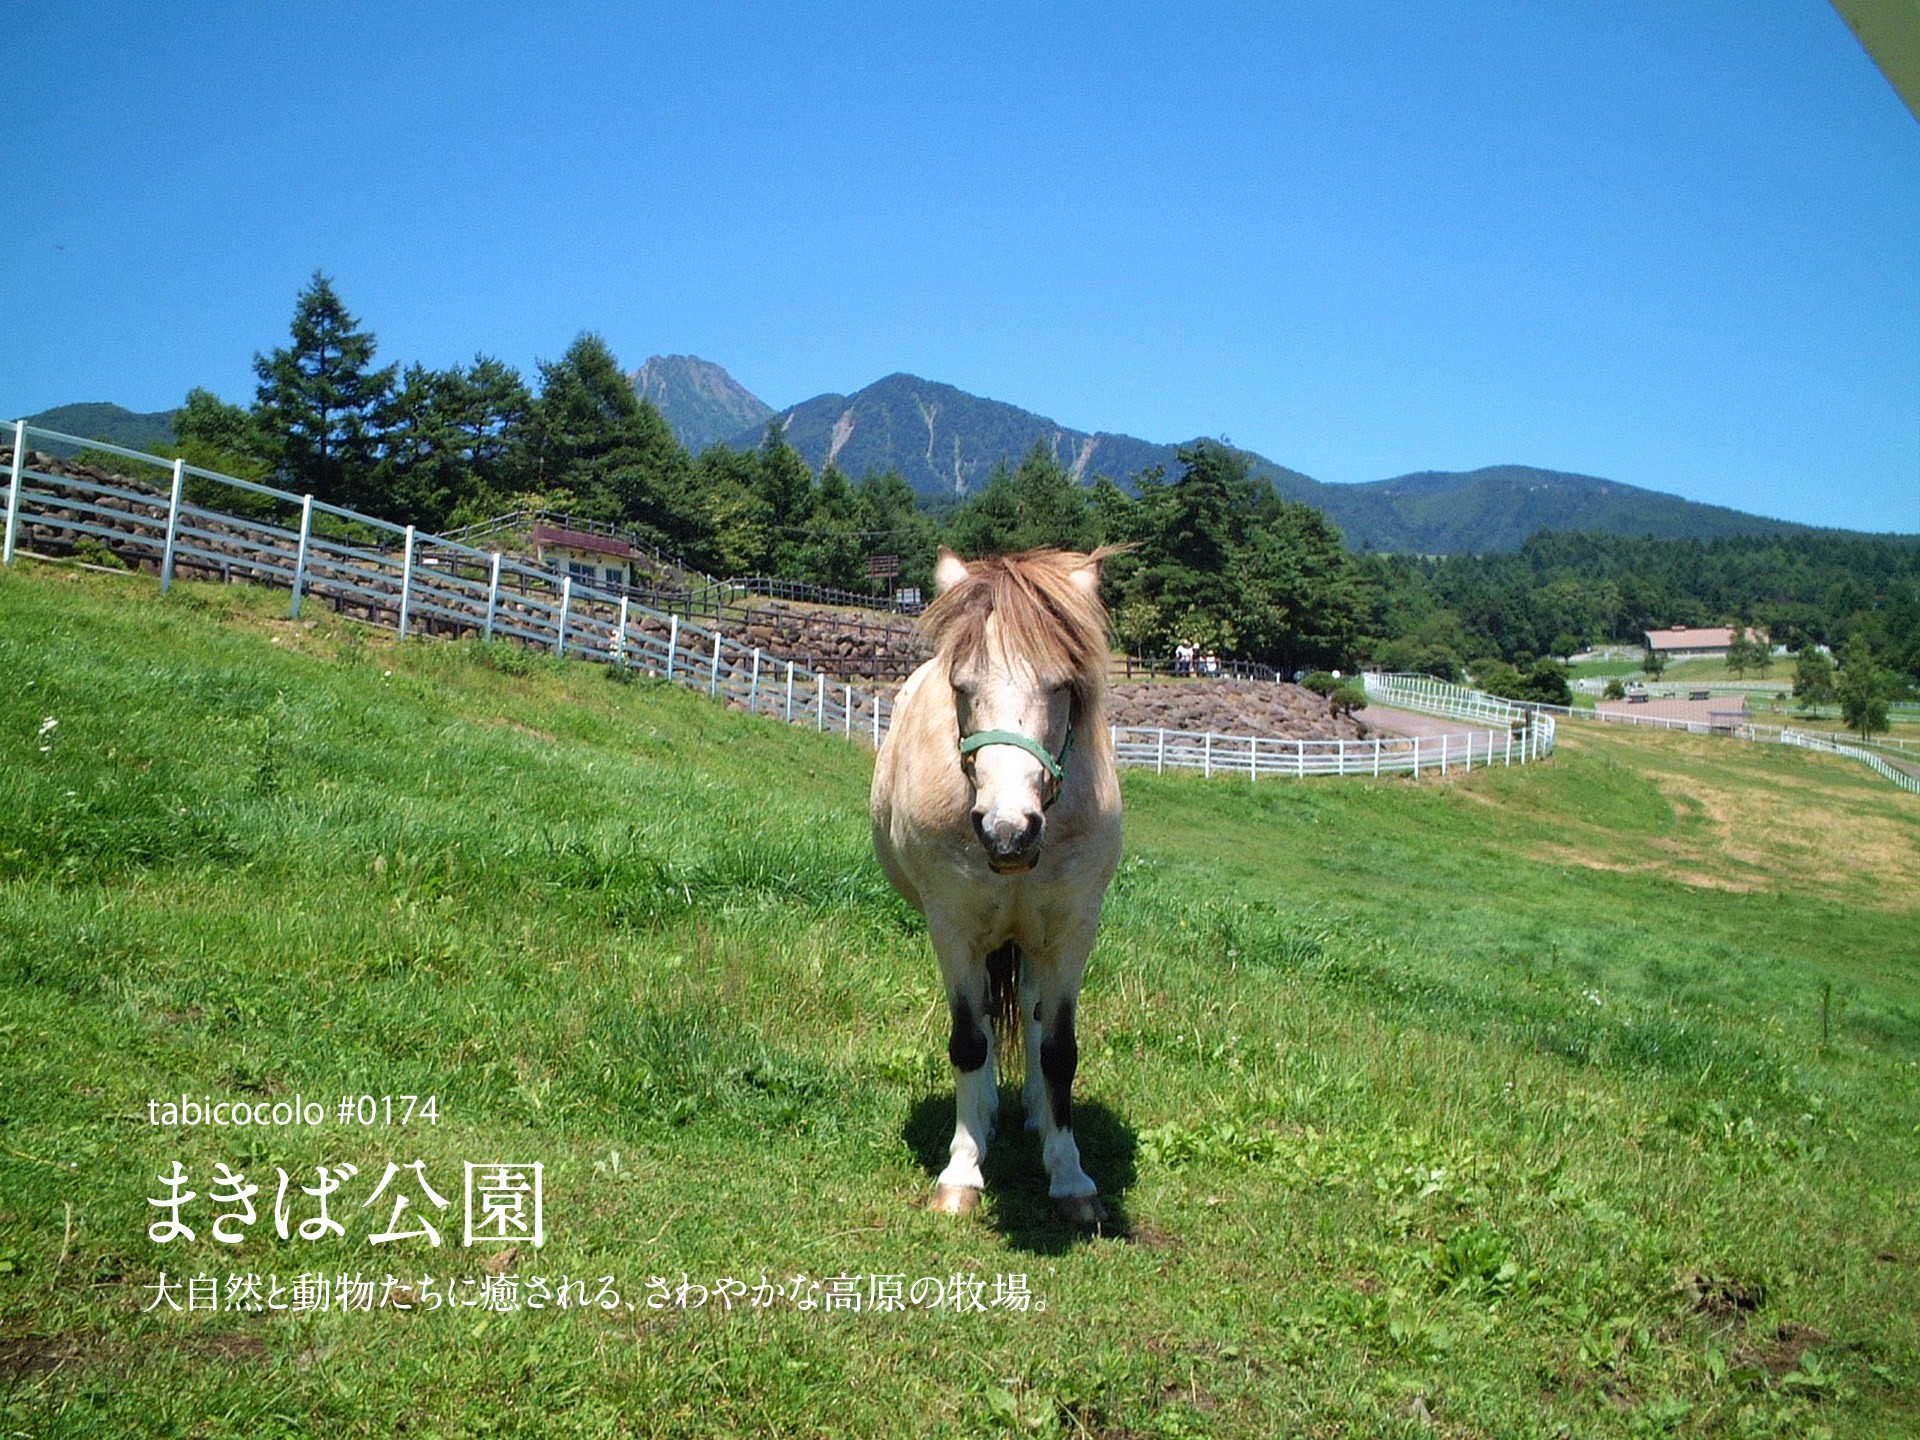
1677	245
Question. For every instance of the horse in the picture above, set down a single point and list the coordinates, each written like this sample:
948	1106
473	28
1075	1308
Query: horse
996	814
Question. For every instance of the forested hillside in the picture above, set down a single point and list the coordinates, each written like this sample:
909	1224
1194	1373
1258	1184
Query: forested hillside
1222	554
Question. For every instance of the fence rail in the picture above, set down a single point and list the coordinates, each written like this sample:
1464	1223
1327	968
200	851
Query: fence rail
1828	745
397	577
1265	757
186	520
1415	691
1529	726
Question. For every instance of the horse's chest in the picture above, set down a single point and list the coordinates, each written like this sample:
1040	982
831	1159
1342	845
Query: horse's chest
1031	916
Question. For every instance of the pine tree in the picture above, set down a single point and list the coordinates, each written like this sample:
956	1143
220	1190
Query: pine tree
786	491
318	407
594	436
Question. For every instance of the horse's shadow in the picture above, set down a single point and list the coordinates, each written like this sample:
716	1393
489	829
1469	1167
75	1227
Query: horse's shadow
1016	1198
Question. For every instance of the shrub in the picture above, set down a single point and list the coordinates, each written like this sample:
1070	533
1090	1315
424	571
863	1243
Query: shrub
1347	698
95	552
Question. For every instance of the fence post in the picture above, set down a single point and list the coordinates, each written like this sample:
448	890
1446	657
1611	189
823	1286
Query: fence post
13	486
846	714
876	719
300	556
566	604
493	597
406	582
753	686
789	692
820	702
1160	756
1416	757
620	641
1253	757
673	642
713	675
173	527
1206	756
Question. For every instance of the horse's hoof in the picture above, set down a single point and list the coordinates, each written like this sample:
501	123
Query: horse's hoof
1085	1211
954	1200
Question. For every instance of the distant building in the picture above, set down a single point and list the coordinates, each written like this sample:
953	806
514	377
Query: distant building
590	559
1683	643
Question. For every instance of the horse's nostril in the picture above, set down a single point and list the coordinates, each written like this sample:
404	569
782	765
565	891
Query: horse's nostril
1009	838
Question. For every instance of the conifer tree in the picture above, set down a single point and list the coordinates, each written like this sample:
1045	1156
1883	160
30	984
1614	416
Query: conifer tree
319	407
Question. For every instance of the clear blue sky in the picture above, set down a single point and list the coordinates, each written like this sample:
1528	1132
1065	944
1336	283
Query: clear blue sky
1676	244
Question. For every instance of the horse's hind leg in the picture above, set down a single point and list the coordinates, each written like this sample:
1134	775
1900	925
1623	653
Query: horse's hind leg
976	1091
1050	1001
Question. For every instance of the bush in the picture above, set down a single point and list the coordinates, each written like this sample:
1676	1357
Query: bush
1347	698
95	552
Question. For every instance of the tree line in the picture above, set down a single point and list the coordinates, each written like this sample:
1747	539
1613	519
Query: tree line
1217	560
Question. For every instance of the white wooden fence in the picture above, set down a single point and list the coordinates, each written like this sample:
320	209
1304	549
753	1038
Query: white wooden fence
396	576
193	520
1833	745
1741	730
1265	757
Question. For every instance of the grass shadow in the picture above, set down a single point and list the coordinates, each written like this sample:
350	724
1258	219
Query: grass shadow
1016	1202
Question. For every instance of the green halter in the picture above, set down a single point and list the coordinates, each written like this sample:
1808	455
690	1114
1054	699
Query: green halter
1056	766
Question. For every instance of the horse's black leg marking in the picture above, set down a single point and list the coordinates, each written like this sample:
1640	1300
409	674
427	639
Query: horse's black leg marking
967	1046
1059	1058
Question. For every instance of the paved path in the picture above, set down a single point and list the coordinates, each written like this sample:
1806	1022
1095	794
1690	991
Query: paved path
1408	722
1467	744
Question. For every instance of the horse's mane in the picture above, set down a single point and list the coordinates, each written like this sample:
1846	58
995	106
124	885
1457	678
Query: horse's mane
1046	616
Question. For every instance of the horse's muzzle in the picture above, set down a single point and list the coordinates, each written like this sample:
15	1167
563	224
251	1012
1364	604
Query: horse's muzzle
1012	845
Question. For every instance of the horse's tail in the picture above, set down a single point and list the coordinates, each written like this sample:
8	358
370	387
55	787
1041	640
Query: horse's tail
1003	997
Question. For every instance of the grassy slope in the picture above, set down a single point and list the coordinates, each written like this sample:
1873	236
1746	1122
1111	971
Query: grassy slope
1573	1100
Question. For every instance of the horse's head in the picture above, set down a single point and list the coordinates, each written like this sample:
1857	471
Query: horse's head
1025	644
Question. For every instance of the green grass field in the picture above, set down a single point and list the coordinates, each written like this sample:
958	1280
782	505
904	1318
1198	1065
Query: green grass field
1573	1100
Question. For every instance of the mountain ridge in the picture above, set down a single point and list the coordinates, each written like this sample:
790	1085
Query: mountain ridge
104	420
702	403
946	442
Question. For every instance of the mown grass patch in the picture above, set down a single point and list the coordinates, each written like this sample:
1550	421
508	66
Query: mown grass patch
1414	1122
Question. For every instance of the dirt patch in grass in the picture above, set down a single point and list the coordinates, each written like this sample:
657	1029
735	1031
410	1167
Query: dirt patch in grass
501	722
1742	826
24	1355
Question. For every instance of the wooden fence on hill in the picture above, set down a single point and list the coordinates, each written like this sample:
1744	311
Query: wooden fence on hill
186	521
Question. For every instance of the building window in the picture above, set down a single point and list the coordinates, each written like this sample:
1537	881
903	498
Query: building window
580	571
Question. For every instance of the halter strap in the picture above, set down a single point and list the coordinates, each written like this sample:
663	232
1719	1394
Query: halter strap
1056	766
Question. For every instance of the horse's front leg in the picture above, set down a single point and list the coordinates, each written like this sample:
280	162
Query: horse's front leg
976	1088
1050	994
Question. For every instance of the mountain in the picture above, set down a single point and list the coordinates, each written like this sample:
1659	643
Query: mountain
1498	508
946	442
702	403
99	420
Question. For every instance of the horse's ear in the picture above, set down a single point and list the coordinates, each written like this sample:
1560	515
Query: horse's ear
948	571
1086	575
